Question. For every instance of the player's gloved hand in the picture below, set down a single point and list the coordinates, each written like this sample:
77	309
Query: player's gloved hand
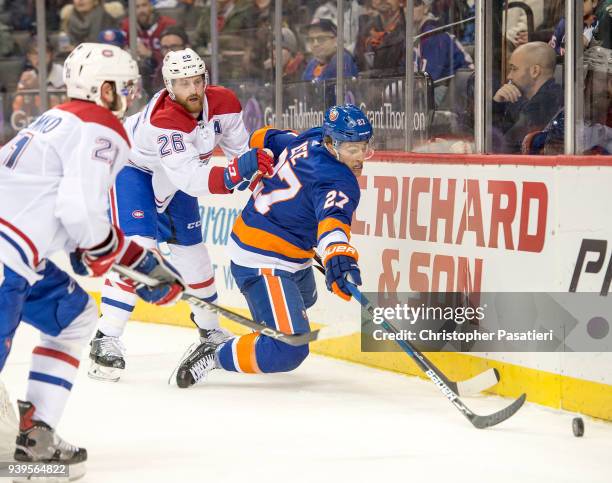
151	264
96	261
340	260
241	170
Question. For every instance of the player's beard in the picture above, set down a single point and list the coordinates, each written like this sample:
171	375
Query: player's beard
193	104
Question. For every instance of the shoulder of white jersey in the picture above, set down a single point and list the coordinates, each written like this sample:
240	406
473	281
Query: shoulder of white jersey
221	100
167	114
91	113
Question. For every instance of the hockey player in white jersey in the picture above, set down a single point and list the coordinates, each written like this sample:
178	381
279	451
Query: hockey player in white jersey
54	181
155	197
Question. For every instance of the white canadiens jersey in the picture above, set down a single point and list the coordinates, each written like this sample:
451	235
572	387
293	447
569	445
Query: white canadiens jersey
54	181
168	142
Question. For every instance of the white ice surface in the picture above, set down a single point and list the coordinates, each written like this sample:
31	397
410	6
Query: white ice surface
328	421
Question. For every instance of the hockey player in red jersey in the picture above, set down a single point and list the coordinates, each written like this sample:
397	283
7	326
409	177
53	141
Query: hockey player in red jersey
54	180
155	197
308	202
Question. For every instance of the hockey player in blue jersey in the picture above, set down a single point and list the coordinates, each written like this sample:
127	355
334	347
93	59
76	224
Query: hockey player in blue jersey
308	202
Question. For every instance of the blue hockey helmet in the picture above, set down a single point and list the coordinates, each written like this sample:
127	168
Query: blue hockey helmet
346	123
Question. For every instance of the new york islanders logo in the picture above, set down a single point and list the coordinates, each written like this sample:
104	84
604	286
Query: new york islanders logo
333	115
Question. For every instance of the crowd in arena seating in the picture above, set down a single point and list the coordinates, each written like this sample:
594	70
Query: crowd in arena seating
374	46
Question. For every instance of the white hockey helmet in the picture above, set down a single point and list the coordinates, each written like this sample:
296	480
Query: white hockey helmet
89	65
181	64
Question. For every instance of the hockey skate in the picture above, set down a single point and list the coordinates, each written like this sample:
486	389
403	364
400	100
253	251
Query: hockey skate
37	442
214	336
196	365
107	359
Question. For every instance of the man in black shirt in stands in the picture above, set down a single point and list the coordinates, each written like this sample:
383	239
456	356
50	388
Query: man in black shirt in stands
530	98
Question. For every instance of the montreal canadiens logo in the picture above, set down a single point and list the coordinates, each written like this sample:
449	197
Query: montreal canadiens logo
333	115
107	53
138	214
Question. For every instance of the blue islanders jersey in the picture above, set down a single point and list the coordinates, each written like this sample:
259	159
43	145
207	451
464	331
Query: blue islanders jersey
308	202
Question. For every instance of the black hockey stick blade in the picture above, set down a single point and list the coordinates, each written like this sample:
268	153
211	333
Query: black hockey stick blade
291	339
436	376
482	422
467	387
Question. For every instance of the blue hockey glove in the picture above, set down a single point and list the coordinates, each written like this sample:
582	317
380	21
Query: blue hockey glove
340	260
241	170
151	264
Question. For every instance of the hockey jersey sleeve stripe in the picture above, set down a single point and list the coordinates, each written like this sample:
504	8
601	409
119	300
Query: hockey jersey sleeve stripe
216	181
113	206
62	356
335	236
245	353
16	231
257	139
264	240
328	225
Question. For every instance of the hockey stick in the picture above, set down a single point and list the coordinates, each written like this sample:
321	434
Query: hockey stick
291	339
436	376
467	387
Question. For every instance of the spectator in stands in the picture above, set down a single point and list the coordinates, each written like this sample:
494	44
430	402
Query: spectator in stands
516	23
85	19
7	44
557	41
29	104
258	27
149	25
438	54
321	38
381	40
231	18
172	39
451	11
530	98
29	75
603	33
597	128
293	59
114	37
23	13
353	9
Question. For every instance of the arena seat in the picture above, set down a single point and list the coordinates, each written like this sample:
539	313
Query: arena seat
22	38
10	70
455	99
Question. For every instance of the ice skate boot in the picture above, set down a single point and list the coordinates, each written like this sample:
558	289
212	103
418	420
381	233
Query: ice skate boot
107	358
37	442
196	365
215	336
